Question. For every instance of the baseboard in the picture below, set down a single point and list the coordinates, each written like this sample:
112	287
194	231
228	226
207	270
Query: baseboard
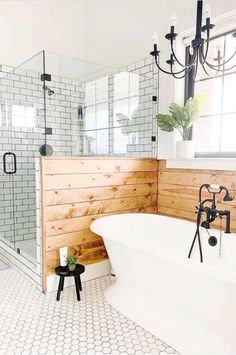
92	271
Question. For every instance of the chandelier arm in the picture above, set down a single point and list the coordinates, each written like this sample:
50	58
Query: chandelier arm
175	57
196	67
225	62
220	70
204	55
167	72
203	66
187	71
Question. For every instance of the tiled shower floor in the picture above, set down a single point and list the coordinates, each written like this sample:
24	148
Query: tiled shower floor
27	246
32	323
3	266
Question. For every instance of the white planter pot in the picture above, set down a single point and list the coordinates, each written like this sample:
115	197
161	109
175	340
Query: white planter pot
185	149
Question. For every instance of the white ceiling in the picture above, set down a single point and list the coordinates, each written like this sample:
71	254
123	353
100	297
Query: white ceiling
107	32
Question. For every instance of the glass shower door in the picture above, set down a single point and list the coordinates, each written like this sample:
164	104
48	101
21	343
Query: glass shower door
7	172
22	133
7	220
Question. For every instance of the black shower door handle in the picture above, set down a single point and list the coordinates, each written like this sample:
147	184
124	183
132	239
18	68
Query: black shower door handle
13	171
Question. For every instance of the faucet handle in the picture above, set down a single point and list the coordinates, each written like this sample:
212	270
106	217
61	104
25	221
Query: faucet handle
214	186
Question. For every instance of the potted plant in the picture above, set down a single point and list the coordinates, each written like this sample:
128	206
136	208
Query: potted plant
71	262
181	118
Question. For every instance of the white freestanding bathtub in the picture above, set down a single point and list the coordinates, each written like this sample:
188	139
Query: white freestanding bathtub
189	305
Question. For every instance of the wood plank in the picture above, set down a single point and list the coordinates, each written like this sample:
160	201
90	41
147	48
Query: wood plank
72	181
67	211
191	192
87	166
60	197
43	228
81	223
188	205
70	239
189	216
99	251
197	179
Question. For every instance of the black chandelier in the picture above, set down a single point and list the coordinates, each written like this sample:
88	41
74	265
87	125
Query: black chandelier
199	47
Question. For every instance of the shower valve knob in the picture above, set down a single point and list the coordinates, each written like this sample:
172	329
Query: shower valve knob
212	241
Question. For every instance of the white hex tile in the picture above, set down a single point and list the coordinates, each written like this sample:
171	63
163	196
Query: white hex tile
35	323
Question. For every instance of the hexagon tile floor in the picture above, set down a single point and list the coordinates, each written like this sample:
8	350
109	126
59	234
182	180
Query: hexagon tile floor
32	323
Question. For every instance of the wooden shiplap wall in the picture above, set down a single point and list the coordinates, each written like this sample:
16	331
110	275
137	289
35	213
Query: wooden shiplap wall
76	191
178	191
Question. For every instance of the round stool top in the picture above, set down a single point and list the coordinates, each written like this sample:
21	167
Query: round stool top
64	270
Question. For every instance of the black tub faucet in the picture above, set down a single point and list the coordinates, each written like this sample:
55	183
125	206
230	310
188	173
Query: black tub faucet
211	213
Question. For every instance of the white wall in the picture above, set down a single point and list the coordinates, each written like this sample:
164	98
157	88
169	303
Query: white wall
28	27
109	32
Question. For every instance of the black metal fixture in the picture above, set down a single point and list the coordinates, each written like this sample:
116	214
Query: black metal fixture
48	90
11	163
48	131
46	150
45	77
199	47
80	112
211	214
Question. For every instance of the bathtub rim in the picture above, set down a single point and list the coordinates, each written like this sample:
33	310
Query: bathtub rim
203	268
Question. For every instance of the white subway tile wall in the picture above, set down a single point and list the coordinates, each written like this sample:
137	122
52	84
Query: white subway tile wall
120	112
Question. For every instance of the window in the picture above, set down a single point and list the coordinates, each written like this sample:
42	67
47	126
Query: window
23	116
96	116
125	105
120	93
214	132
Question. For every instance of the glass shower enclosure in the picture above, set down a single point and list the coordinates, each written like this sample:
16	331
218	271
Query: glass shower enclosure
56	105
39	107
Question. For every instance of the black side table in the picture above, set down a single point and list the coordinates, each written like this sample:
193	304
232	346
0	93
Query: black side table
63	271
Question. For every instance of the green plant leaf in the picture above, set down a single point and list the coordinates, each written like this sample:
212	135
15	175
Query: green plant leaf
181	117
191	109
165	122
71	259
178	114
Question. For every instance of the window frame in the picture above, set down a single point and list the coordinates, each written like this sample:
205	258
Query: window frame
189	91
95	104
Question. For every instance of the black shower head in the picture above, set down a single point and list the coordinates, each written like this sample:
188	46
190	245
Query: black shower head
228	197
48	89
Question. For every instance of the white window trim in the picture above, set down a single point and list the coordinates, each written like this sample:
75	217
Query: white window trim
203	163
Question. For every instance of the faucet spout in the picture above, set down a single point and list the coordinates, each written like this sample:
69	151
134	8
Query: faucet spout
227	215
